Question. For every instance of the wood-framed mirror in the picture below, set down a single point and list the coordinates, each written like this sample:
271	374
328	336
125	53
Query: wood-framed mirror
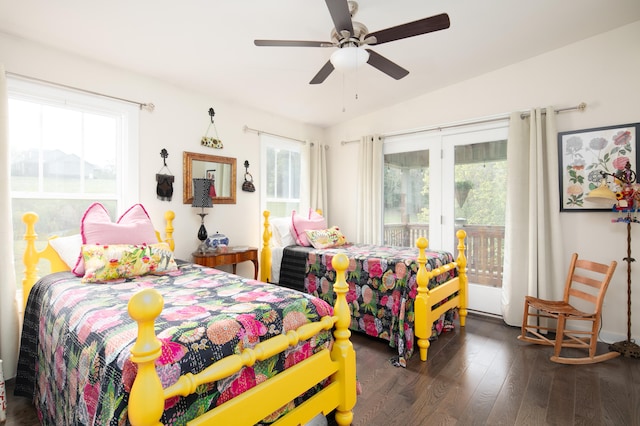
222	170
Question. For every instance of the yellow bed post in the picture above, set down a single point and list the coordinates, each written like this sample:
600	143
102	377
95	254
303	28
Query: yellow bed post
462	275
169	215
265	255
146	399
422	326
342	351
32	256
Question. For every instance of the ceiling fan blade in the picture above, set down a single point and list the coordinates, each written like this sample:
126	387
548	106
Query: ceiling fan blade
323	73
411	29
392	69
339	10
293	43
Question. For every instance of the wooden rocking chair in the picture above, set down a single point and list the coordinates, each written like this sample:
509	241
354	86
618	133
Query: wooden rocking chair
585	287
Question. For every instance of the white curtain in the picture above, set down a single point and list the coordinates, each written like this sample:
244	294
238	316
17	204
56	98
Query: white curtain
533	263
319	178
8	305
369	207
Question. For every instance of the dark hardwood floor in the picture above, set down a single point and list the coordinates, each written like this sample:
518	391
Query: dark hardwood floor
479	375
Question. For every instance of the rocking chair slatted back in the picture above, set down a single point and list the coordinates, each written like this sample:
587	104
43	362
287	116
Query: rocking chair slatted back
585	288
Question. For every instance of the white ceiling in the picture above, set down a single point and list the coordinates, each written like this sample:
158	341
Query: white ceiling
207	45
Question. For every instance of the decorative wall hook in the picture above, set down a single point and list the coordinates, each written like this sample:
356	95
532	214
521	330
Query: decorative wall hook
164	154
211	142
247	185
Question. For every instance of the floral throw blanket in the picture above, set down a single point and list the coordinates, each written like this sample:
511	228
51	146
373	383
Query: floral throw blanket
382	289
74	355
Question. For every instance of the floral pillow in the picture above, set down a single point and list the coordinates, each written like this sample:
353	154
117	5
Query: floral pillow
119	261
326	238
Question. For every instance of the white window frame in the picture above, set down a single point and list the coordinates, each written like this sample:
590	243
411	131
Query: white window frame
127	152
272	141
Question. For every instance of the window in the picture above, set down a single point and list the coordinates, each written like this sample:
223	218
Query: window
285	173
68	149
437	183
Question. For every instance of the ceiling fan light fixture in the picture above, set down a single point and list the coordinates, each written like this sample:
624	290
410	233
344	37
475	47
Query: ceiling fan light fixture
349	58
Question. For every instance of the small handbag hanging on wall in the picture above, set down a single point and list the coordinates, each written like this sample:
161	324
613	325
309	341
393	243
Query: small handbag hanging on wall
247	185
164	187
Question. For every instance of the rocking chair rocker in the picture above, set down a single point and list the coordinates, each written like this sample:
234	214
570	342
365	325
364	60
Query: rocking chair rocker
585	287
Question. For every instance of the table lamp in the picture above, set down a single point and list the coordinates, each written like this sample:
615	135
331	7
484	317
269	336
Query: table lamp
202	199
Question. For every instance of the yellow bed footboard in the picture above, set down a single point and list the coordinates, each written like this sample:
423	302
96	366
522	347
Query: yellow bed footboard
431	304
147	396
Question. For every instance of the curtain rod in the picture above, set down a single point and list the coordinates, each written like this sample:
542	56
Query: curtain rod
146	106
258	132
580	107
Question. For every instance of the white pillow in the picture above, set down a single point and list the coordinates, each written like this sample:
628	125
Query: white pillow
281	230
68	248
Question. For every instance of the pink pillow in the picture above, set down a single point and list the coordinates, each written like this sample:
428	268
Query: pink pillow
133	227
300	224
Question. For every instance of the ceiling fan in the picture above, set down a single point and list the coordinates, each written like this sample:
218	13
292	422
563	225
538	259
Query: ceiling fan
351	37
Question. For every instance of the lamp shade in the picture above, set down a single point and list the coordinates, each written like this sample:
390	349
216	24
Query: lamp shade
201	197
602	195
349	58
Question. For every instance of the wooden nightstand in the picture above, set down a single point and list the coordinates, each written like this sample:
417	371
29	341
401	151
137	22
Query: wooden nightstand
231	257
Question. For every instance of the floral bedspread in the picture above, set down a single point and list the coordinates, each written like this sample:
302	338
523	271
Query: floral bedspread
74	356
382	289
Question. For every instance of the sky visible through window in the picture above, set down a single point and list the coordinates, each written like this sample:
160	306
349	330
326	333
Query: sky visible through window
35	126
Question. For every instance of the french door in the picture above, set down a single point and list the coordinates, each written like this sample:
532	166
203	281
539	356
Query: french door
435	184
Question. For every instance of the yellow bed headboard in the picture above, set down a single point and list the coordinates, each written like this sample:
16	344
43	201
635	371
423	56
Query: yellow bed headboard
32	257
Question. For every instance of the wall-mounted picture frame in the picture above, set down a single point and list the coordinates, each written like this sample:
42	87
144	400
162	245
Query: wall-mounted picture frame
583	154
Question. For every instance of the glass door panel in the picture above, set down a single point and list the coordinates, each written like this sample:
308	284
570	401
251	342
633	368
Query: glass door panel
480	201
478	196
412	190
406	197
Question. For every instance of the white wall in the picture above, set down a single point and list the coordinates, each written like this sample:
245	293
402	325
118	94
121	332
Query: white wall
179	121
602	71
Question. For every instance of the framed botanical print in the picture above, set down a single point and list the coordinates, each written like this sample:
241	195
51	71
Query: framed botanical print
584	154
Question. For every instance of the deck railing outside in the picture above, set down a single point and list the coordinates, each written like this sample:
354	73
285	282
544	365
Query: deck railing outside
485	248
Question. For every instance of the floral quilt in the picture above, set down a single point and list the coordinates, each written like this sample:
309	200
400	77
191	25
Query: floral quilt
382	289
74	356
